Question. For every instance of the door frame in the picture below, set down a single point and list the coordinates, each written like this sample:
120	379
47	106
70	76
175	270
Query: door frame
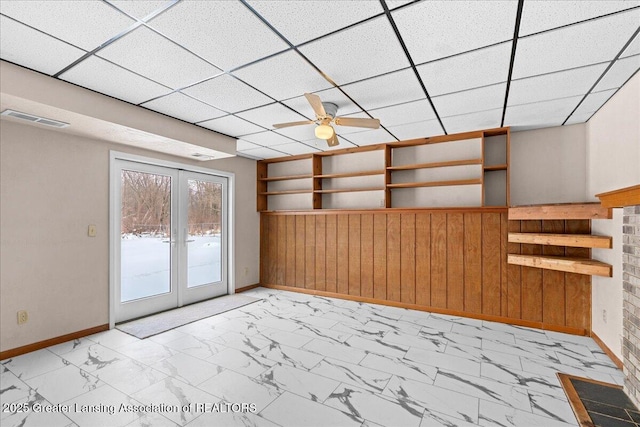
114	186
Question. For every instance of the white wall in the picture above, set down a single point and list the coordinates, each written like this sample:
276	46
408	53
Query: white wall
548	165
613	162
52	186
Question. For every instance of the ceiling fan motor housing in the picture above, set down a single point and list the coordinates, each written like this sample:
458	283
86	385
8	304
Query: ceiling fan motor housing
331	109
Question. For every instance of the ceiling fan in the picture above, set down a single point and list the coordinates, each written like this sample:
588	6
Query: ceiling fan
325	115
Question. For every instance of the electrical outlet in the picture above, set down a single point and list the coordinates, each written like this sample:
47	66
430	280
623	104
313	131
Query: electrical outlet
22	317
604	316
92	230
382	204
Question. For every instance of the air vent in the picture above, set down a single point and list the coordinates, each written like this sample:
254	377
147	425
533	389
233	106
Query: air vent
202	156
34	119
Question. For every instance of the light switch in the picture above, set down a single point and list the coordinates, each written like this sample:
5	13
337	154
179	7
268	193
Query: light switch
92	230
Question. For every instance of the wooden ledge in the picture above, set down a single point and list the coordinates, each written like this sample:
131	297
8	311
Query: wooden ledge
572	240
628	196
560	211
558	263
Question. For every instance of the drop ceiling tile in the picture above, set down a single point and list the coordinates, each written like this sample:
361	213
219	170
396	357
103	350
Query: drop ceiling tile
267	139
345	58
619	73
409	112
283	76
579	118
184	107
591	104
139	8
435	29
322	145
545	15
300	21
299	133
421	129
469	101
370	137
588	43
394	88
225	33
228	93
473	121
633	48
474	69
261	153
102	76
394	4
270	114
33	49
333	95
243	145
540	114
560	84
231	125
86	24
297	148
151	55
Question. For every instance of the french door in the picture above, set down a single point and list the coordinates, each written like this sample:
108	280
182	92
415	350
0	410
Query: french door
171	248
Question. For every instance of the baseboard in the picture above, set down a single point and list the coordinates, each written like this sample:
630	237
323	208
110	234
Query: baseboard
247	288
7	354
488	317
607	350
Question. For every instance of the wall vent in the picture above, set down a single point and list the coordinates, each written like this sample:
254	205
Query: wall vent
34	119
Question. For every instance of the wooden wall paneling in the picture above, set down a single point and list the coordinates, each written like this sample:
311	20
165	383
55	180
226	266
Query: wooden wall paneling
393	257
380	256
473	262
331	260
455	261
439	260
423	259
281	226
263	249
578	286
514	277
343	254
290	263
491	245
504	267
300	250
354	254
272	248
531	277
310	252
320	253
553	292
366	255
408	258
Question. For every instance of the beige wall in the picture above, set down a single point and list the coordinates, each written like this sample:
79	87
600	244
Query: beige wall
613	161
52	186
548	165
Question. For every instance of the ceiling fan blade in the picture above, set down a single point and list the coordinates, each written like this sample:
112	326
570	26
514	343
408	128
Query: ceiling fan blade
289	124
356	122
316	104
333	141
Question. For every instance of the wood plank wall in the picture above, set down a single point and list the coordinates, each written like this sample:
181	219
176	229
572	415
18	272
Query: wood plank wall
448	261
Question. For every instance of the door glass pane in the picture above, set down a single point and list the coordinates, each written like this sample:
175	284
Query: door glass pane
204	239
145	232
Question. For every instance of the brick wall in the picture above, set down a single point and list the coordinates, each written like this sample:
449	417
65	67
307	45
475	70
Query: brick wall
631	304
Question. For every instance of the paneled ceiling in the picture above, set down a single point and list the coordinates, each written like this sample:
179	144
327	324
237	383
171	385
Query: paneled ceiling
424	68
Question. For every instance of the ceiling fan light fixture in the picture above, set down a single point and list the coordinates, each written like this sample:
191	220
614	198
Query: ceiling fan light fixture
324	131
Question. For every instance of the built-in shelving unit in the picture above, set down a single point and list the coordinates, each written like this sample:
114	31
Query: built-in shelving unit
562	215
469	169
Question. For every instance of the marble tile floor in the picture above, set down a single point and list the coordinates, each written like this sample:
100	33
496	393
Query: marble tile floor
300	360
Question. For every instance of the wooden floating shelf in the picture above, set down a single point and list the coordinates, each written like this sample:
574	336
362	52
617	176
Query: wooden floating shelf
572	240
627	196
436	165
347	190
285	178
558	263
563	211
350	174
279	193
496	168
435	183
